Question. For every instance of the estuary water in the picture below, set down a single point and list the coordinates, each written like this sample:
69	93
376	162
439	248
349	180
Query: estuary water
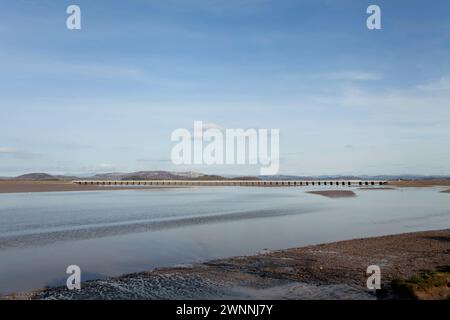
109	233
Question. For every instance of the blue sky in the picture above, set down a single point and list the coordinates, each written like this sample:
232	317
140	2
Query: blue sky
106	98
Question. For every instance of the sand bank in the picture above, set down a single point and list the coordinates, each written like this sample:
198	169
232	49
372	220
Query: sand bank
377	188
58	186
420	183
334	193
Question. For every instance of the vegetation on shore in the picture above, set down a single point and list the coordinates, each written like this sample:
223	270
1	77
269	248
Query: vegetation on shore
428	285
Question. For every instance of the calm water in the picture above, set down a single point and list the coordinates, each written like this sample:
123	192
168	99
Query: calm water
109	233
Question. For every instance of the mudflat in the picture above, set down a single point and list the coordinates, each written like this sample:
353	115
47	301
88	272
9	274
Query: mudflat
326	271
420	183
55	186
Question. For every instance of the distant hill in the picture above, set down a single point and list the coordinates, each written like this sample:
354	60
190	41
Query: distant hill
43	177
164	175
189	175
245	178
349	177
149	175
139	175
35	176
292	177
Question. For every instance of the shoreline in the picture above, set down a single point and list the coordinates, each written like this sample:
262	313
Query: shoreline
11	186
8	187
326	271
419	183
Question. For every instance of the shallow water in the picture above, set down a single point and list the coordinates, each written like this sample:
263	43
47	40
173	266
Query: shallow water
109	233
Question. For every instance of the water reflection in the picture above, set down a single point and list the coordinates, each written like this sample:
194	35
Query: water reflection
108	233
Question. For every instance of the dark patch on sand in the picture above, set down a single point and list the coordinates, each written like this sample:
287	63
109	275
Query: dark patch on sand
377	188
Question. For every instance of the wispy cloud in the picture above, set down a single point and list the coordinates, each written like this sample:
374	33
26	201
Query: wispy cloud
146	160
17	154
347	76
442	84
387	101
7	150
103	71
106	166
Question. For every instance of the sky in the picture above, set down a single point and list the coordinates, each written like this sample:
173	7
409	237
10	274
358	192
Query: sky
347	100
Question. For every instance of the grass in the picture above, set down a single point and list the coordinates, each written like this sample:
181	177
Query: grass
422	283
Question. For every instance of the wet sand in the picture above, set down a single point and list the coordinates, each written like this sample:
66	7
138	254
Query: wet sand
327	271
420	183
335	193
60	186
